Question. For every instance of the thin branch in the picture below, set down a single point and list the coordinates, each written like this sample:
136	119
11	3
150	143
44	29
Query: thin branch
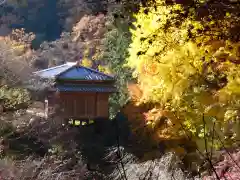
227	150
119	151
205	138
206	157
212	140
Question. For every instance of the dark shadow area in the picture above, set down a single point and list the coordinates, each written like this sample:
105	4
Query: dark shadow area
45	18
93	140
42	19
96	140
19	144
25	145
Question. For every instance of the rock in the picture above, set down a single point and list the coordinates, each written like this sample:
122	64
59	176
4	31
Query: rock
36	109
34	121
36	112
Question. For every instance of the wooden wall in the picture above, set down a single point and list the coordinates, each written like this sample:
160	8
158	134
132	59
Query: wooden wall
84	105
102	105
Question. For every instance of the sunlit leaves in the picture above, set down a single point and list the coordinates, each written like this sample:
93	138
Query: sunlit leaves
86	62
185	60
14	97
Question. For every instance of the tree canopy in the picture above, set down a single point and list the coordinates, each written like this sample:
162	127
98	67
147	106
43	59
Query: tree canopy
185	55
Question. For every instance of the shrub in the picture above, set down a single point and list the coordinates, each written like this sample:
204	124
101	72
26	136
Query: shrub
14	98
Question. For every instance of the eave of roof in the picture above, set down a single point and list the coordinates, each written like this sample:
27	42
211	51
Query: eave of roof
84	89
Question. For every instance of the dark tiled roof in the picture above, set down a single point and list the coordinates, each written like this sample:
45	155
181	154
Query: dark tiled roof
73	71
83	73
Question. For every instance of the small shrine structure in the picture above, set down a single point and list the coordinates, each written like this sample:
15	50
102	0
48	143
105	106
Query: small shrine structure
79	92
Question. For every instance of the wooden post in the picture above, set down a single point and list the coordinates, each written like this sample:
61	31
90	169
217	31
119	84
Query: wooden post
46	108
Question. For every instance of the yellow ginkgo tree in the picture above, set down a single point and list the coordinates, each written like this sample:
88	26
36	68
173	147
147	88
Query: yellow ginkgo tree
187	63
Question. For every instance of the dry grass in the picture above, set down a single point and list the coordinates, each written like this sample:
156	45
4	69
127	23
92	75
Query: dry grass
62	161
42	169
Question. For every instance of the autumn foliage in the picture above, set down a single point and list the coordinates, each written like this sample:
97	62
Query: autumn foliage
187	68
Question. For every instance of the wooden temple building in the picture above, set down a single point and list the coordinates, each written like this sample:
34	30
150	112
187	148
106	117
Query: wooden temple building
79	92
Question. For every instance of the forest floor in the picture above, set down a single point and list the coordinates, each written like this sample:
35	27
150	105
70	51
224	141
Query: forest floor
42	149
47	149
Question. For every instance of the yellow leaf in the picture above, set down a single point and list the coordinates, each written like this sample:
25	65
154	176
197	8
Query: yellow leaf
86	62
228	14
77	123
91	121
